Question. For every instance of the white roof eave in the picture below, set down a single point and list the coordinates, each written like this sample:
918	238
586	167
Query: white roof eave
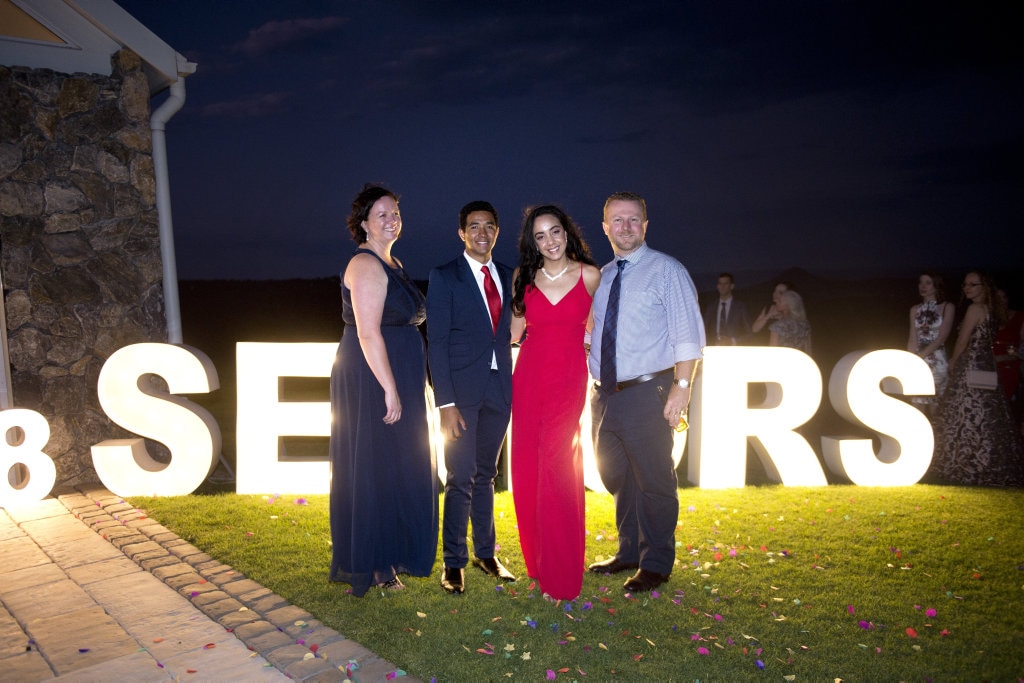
93	30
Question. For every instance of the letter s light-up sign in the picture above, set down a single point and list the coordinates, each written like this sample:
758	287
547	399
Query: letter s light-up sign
907	439
188	430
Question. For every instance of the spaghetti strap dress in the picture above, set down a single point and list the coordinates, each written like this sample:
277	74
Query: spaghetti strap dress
548	394
384	509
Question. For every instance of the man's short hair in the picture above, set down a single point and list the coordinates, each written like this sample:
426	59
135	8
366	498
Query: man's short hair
626	197
478	205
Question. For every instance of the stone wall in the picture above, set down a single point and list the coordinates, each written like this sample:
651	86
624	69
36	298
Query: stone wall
79	241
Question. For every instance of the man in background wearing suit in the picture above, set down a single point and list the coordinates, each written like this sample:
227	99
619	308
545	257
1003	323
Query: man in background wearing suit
470	354
726	321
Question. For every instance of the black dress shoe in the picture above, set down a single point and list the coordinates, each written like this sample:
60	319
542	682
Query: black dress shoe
453	580
644	580
612	566
492	566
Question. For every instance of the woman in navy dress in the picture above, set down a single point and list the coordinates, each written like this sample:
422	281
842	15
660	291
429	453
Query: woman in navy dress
383	472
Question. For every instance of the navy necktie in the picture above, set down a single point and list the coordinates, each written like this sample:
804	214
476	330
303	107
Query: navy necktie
721	321
609	332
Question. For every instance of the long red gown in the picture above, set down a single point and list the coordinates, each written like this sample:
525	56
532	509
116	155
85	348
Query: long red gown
549	388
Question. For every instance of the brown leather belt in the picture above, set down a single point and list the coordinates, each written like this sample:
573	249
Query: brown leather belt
625	384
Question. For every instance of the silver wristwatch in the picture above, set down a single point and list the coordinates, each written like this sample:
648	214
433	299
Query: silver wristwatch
682	383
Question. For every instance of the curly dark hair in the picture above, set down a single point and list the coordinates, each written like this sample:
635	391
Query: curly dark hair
361	206
530	258
996	307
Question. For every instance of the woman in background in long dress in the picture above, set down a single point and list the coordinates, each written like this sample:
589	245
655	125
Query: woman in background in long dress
931	321
1006	347
975	439
552	294
383	473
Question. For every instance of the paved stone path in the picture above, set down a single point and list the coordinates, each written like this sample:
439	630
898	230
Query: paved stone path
93	590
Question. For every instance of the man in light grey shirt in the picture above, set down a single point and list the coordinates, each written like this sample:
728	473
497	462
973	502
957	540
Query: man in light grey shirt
647	341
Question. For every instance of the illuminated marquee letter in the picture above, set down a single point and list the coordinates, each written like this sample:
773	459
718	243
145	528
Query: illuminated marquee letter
263	418
907	441
35	432
722	422
129	398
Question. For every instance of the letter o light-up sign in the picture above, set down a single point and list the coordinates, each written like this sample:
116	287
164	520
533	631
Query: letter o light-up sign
188	430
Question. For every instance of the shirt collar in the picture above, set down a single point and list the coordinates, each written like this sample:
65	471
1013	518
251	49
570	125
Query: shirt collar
474	265
633	257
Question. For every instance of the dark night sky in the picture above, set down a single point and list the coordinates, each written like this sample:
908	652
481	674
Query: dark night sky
840	137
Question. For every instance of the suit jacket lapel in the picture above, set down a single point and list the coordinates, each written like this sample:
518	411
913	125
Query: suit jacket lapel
472	289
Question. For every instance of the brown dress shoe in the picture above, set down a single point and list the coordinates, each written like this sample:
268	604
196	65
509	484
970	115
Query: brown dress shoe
492	566
644	580
453	580
612	566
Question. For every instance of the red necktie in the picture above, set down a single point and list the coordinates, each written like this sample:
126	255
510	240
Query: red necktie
493	298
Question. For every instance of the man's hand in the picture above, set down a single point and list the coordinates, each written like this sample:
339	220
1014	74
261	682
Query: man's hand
452	424
676	405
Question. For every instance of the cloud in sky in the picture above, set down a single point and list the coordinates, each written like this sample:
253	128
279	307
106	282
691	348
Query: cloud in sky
280	34
255	105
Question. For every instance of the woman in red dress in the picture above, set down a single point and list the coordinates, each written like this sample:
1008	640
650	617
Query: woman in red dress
552	292
1006	346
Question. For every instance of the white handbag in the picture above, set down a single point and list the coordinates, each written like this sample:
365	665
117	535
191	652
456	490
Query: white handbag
982	379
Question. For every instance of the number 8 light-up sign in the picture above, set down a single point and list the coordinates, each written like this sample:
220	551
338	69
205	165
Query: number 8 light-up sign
25	433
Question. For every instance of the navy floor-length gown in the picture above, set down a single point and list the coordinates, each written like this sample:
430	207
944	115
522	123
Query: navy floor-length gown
384	496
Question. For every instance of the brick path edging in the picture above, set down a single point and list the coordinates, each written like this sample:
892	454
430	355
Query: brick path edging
287	636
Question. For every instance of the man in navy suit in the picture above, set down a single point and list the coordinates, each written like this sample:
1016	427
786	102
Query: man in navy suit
470	354
726	321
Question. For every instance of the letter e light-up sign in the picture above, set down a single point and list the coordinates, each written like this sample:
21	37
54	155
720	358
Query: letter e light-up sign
263	418
907	441
130	399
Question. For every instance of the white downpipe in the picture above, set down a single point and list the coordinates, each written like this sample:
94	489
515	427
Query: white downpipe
157	123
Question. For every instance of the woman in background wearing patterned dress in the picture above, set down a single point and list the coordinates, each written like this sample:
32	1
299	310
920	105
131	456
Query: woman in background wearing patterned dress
931	321
791	328
976	442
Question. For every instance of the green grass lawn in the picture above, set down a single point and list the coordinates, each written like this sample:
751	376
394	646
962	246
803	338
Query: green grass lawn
839	582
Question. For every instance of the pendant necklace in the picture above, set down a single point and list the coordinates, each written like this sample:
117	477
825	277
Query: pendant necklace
552	278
